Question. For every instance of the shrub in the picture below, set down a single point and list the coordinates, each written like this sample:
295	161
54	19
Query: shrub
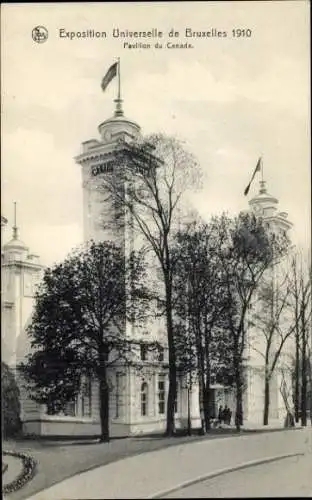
28	472
10	403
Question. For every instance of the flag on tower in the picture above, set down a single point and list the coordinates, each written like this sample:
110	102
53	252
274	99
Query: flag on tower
257	169
111	73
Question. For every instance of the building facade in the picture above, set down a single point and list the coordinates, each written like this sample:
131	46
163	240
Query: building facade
137	399
21	273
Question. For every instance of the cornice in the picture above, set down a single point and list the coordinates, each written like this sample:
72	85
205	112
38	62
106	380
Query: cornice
89	156
24	264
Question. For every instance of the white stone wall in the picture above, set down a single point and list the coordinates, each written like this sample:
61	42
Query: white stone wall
266	206
20	280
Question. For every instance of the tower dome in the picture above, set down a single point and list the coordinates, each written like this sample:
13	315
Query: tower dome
15	248
266	206
118	127
16	244
263	202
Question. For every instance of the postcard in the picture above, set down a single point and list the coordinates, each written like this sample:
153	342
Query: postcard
156	249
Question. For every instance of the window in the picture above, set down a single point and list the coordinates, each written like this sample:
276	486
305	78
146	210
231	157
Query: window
143	352
86	397
144	399
118	394
52	408
70	408
80	406
161	397
160	353
159	305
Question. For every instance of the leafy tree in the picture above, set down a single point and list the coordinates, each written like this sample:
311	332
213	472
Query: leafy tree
199	304
78	326
10	403
149	181
248	251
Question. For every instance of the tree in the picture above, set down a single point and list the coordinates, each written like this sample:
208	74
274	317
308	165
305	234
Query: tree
199	304
78	327
273	327
186	366
10	403
286	395
151	176
300	285
250	250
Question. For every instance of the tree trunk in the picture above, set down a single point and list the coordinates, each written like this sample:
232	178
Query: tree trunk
239	405
201	379
239	398
304	383
266	400
207	393
103	392
189	421
170	424
296	398
201	401
104	406
207	402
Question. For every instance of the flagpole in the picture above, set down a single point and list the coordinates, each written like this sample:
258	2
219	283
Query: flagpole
261	168
118	101
118	96
262	182
15	226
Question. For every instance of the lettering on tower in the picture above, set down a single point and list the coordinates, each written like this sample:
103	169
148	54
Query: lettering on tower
101	168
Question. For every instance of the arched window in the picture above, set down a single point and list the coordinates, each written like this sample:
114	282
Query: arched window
176	400
86	397
118	394
143	352
161	395
144	399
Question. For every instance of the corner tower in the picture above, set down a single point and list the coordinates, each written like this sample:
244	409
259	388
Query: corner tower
97	161
266	206
21	273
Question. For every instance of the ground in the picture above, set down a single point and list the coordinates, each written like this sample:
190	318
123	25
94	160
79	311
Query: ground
58	460
55	458
289	477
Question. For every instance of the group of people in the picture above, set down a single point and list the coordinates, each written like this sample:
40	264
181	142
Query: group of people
224	415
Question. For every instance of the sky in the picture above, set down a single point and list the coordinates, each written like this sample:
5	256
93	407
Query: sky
231	99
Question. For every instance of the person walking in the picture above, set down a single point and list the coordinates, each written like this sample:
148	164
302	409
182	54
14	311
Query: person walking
220	414
230	416
226	414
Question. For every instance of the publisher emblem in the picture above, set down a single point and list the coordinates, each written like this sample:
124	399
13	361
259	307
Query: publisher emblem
39	34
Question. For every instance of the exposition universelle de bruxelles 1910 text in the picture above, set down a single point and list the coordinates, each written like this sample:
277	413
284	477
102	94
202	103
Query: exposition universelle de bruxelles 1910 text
156	38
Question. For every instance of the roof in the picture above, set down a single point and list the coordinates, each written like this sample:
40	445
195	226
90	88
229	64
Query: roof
15	244
118	119
263	195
